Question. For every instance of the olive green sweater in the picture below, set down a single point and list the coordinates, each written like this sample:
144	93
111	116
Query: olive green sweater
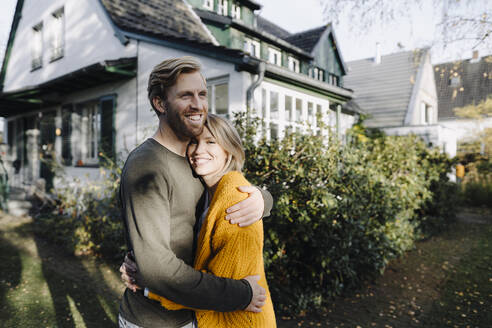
158	196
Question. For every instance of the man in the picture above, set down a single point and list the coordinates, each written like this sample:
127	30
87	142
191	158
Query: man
159	193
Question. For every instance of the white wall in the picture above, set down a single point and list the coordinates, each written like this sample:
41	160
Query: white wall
89	39
466	129
438	135
426	93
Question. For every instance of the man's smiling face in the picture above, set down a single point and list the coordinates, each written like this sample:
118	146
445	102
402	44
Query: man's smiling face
187	105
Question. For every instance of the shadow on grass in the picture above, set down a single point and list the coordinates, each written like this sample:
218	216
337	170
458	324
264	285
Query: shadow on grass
74	290
11	269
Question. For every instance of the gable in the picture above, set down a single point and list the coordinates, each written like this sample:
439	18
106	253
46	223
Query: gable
384	90
81	47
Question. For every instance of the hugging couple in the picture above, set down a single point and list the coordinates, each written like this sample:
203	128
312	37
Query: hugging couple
191	219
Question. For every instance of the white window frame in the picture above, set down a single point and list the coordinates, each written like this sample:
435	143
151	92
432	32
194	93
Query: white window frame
208	4
317	73
236	10
274	56
293	123
252	47
87	131
57	34
222	7
426	113
211	85
294	64
37	46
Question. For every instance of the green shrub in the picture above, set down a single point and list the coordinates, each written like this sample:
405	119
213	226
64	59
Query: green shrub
86	218
341	211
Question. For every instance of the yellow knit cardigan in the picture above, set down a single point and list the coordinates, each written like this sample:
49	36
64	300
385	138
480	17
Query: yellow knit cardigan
229	251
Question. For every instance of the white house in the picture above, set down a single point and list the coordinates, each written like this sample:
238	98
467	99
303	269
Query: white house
74	76
398	92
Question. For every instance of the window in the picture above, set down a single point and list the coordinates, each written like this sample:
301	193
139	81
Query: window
426	114
334	80
294	64
289	115
208	4
252	47
298	110
454	81
273	105
274	57
311	119
218	96
236	11
57	28
222	7
86	124
87	130
317	73
37	46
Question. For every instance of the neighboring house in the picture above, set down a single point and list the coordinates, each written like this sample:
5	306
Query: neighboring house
459	84
398	93
74	78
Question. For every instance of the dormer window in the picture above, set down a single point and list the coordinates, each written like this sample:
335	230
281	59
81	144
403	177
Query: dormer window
252	47
222	8
37	46
334	80
317	73
57	39
274	57
454	81
236	11
208	4
294	64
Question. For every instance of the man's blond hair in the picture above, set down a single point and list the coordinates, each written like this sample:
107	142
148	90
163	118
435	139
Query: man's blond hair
165	74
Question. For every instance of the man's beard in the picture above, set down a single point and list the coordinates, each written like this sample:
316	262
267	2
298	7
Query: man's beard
178	123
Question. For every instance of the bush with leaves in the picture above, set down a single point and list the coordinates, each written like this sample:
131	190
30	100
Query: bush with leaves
86	218
341	211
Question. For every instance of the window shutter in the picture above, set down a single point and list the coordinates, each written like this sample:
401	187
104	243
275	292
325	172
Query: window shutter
106	107
66	134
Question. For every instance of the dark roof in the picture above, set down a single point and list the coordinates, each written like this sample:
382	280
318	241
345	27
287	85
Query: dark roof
306	40
251	4
462	83
265	25
162	19
49	93
384	90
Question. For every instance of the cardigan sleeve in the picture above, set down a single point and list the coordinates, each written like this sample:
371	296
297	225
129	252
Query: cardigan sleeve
236	251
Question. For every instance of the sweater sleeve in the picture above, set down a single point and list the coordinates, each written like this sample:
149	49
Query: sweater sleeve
146	208
236	251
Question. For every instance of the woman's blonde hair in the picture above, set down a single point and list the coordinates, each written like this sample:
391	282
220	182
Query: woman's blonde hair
227	137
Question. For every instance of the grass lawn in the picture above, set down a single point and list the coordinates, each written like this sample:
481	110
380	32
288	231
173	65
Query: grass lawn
445	282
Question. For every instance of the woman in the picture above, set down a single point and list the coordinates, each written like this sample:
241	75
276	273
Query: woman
225	249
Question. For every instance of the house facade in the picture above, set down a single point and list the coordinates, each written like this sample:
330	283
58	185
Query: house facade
74	76
398	92
459	84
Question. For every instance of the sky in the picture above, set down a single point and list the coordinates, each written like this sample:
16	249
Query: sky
412	29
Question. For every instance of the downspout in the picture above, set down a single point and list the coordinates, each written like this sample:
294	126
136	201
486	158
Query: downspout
136	95
251	90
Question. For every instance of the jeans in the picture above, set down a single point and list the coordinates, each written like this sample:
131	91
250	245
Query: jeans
122	323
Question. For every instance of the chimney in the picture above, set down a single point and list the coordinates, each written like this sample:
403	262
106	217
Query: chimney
377	58
475	55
